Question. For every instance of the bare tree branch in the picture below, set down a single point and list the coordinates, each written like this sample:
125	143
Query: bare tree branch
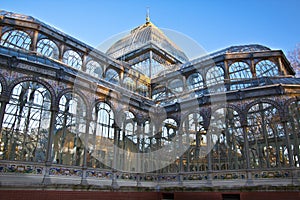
294	58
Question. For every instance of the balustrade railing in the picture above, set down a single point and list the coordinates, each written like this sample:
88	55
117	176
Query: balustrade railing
27	170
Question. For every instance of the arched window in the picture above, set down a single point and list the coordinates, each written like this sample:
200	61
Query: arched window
176	86
266	68
130	127
105	120
294	131
227	141
194	137
169	131
25	127
72	59
48	48
131	141
237	72
147	130
166	139
101	139
194	81
129	84
69	137
94	69
267	140
112	76
142	89
215	79
16	39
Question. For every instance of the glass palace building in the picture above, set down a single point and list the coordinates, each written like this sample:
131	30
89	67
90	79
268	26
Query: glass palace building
143	117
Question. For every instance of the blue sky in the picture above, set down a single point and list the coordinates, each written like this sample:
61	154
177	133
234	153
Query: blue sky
214	24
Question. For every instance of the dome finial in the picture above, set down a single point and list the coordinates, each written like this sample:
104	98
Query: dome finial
148	15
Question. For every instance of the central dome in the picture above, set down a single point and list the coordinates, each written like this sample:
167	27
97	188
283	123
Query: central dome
142	36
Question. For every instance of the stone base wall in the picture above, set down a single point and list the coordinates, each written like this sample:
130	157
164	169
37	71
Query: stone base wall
74	195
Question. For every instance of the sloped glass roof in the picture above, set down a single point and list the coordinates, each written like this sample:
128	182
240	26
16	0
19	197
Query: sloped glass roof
142	36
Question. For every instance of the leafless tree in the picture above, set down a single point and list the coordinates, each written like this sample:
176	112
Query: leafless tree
294	58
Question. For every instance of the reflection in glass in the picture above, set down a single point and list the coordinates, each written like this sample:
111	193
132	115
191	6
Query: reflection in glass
16	39
70	127
25	127
112	76
72	59
266	68
48	48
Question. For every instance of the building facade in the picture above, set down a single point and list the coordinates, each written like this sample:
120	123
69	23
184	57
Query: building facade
142	115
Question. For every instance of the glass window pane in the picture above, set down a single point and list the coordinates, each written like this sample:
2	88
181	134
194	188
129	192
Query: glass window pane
25	127
129	84
265	134
68	142
16	39
72	59
176	86
215	79
195	81
94	69
226	136
293	126
237	72
266	68
48	48
142	90
101	138
112	76
194	137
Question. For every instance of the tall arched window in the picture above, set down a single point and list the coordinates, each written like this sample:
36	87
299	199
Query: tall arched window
237	72
194	136
169	131
215	79
105	120
25	127
294	131
94	69
130	128
168	140
130	141
69	136
194	81
47	48
16	39
227	140
73	59
129	84
112	76
147	134
267	140
102	141
266	68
